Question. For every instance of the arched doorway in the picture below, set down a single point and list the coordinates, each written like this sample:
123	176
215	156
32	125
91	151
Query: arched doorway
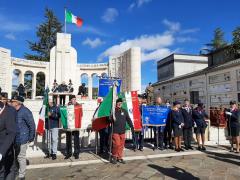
84	80
28	80
16	80
40	84
95	81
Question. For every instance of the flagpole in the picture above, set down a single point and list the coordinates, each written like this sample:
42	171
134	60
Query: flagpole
65	27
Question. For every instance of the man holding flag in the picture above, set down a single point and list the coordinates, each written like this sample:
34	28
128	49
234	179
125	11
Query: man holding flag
119	120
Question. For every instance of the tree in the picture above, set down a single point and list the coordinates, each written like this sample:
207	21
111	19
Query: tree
46	33
217	42
235	46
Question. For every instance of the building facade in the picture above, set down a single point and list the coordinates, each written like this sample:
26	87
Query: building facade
127	66
214	85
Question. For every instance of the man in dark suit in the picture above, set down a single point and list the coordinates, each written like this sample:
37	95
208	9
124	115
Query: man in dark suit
7	136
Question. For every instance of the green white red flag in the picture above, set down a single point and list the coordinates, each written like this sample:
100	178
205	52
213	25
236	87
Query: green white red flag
43	115
70	18
103	112
71	116
132	106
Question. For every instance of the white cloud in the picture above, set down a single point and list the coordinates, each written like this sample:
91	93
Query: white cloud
155	46
110	15
156	55
173	26
138	3
141	2
151	46
93	43
10	36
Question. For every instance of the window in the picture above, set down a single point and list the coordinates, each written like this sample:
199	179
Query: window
194	97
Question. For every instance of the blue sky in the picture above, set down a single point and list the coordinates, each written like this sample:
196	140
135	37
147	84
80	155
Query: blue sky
159	27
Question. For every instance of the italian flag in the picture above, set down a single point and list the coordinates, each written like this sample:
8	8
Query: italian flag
103	112
43	115
71	116
131	104
70	18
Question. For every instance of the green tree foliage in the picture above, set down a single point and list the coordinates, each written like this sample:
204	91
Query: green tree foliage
235	46
217	42
46	34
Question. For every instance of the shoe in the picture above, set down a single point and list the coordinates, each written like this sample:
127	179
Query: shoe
48	156
186	148
199	148
237	152
181	149
121	161
76	156
113	161
54	156
67	156
140	149
161	148
203	148
21	178
171	147
190	147
178	150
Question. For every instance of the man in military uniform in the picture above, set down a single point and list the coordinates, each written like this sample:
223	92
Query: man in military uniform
149	92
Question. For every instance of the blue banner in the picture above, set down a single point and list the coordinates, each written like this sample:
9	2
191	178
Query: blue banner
154	115
105	84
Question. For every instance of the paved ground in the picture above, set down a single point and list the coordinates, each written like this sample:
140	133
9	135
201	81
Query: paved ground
213	164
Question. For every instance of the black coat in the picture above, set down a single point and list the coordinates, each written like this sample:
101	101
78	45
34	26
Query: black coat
199	116
188	120
177	118
234	119
7	129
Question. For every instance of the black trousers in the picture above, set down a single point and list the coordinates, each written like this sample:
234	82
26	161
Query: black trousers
158	136
62	100
7	166
168	136
104	137
187	135
75	135
138	139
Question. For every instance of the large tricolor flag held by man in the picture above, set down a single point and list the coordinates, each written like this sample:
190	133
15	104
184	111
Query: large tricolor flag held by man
131	104
43	115
70	18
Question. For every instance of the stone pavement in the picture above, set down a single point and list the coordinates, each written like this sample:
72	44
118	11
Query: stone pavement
216	163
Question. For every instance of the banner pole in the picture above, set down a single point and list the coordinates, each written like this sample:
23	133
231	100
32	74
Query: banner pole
65	24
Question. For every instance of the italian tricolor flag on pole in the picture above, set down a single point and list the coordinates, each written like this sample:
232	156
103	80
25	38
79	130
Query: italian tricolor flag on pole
70	18
103	112
131	104
43	115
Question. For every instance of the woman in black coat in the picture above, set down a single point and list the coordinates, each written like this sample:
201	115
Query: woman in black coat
177	124
233	115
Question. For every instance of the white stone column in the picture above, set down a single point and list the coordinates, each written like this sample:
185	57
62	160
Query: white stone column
21	78
34	83
90	87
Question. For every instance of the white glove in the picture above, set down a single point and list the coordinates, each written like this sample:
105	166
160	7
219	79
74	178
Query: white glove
0	157
228	113
180	126
195	125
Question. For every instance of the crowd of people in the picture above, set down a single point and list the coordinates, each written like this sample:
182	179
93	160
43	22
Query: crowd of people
17	130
